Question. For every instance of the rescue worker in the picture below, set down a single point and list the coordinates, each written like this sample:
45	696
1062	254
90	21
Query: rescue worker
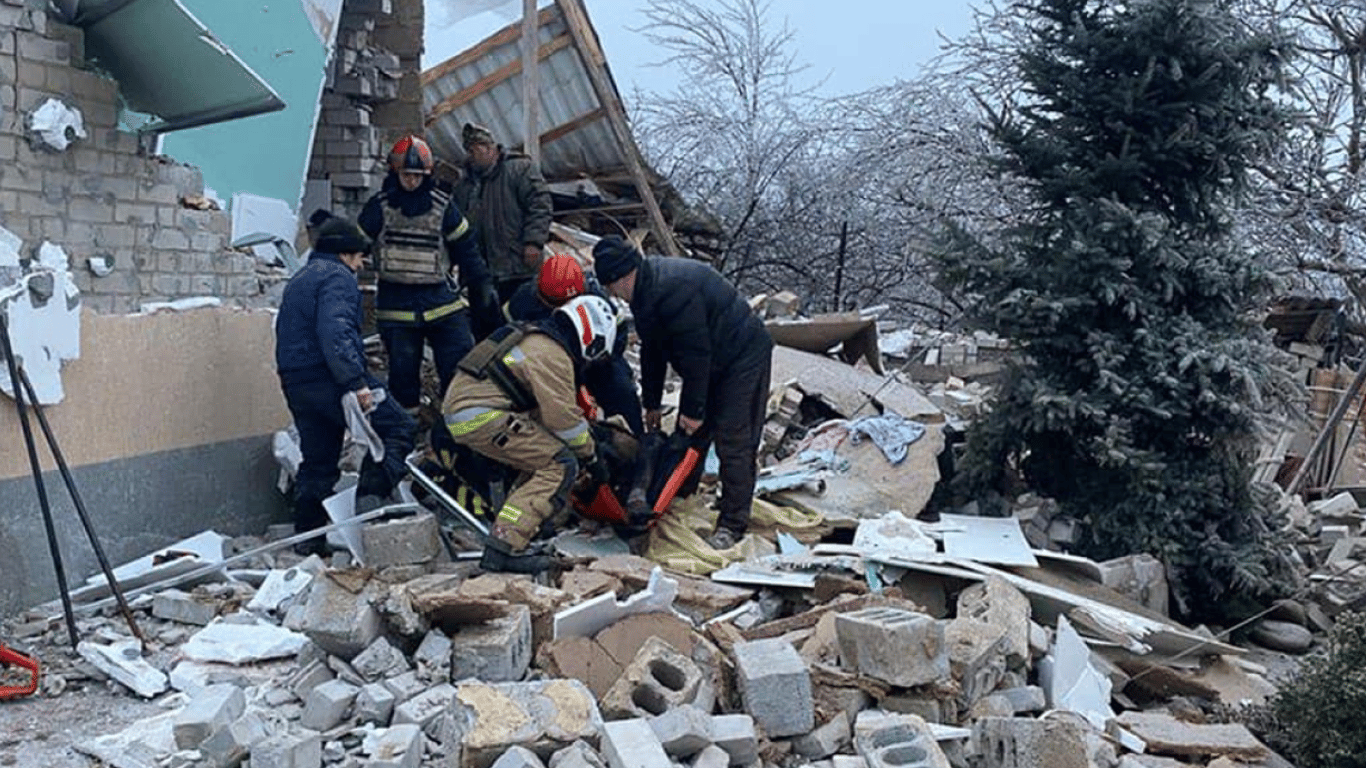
320	359
514	401
610	380
690	317
505	196
419	238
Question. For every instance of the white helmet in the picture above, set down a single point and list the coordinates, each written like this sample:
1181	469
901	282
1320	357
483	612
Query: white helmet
595	325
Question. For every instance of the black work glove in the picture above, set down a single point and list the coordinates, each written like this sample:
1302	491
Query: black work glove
596	468
485	310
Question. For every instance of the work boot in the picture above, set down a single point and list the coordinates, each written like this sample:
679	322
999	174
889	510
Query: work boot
498	557
723	538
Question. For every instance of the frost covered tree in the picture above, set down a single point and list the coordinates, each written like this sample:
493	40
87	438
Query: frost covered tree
1137	402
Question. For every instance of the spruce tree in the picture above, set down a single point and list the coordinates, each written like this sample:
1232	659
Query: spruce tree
1142	374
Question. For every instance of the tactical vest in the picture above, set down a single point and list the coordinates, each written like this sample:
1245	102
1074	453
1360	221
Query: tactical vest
488	359
410	247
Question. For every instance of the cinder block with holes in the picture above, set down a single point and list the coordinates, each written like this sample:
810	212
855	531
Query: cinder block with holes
657	680
901	745
895	646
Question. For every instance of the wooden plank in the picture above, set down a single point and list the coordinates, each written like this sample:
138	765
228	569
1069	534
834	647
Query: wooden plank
482	86
576	18
531	83
502	37
564	129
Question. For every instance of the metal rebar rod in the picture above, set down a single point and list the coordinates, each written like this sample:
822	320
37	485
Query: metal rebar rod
37	470
79	503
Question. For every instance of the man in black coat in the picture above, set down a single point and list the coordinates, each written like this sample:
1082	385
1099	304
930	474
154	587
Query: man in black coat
690	317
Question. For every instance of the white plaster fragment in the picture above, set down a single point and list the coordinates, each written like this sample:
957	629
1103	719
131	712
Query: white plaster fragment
181	305
44	316
122	660
1070	680
53	119
280	585
10	244
588	618
140	745
242	643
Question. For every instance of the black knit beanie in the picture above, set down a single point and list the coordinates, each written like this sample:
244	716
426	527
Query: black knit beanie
614	258
339	235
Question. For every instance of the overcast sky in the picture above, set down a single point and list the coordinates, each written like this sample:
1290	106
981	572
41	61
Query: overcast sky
852	44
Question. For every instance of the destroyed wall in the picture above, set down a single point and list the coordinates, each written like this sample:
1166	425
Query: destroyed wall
373	95
203	460
102	196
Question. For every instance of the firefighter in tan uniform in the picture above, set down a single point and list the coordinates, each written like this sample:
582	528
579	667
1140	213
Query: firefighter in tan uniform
514	400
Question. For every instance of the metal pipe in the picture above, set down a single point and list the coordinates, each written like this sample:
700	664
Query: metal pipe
79	503
435	489
38	482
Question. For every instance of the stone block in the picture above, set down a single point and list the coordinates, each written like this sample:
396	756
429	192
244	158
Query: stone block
632	744
904	741
397	747
212	708
379	661
893	645
326	705
433	658
374	704
518	757
402	540
485	720
1026	743
683	731
825	740
776	686
426	708
496	652
289	749
735	734
340	621
657	680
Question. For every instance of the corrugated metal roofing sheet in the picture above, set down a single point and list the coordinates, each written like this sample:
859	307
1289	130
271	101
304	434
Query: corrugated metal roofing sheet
566	94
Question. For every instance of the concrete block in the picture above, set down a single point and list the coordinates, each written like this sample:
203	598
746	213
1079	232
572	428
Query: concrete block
374	704
977	658
426	708
326	705
657	680
848	761
577	755
402	540
1025	743
175	605
433	658
735	734
485	720
308	677
825	740
998	604
397	747
496	652
379	661
212	708
518	757
896	646
776	686
711	757
632	744
227	747
904	740
404	686
683	731
1029	698
290	749
340	621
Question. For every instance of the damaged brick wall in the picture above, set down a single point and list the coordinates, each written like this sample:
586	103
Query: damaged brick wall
373	95
102	196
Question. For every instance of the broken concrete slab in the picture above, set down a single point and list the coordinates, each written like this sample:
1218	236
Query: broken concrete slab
433	658
231	643
1004	609
484	720
1165	735
122	660
825	740
228	747
702	597
1141	578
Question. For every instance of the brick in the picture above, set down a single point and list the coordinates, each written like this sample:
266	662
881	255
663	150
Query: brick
776	686
162	194
893	645
212	708
168	239
683	731
485	720
632	744
291	749
133	212
114	236
174	286
374	704
326	705
426	708
518	757
657	680
36	47
1001	606
735	734
175	605
495	652
31	73
402	540
380	660
203	285
396	747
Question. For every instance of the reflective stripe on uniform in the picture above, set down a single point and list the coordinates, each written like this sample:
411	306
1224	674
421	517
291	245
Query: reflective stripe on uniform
466	420
574	436
460	230
425	316
514	356
510	514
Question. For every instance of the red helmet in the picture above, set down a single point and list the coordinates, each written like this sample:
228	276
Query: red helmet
412	155
561	279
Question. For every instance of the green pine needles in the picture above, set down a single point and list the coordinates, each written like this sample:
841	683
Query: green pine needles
1144	375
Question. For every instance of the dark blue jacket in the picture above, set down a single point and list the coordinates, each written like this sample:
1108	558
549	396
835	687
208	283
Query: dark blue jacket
317	332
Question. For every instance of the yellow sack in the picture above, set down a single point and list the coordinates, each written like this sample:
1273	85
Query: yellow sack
677	540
